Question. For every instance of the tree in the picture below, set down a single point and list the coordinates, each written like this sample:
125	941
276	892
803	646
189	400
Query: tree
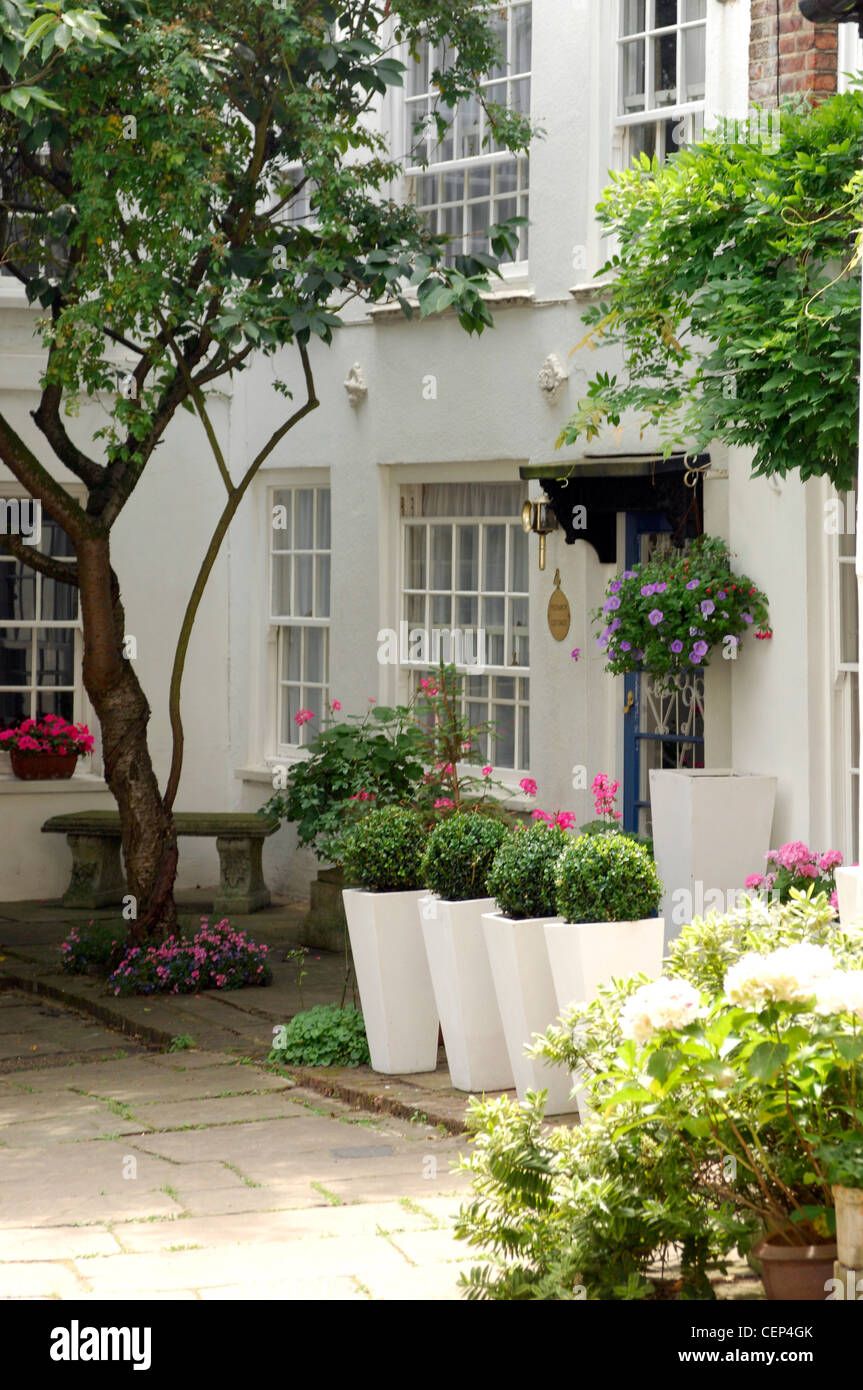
26	25
735	296
167	174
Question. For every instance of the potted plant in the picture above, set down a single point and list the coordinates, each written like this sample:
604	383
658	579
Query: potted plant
607	893
46	749
795	866
665	616
843	1162
383	855
455	867
522	879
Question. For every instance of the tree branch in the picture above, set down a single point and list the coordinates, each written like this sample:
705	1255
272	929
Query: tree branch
59	570
47	418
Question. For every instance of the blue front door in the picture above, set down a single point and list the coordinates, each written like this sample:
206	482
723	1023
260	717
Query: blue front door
661	729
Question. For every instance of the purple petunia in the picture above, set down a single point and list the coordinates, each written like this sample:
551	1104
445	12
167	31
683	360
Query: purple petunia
660	588
677	647
611	605
693	583
655	617
747	617
628	574
615	625
648	590
700	648
625	646
707	607
615	586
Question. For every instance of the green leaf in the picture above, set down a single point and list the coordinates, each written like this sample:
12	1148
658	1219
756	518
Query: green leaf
767	1060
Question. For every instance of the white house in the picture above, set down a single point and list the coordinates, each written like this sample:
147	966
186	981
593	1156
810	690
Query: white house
405	493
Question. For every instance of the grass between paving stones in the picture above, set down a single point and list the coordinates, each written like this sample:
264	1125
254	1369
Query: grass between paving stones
232	1168
331	1199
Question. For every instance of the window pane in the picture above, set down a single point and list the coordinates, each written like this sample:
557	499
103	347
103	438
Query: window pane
292	639
417	76
520	632
303	575
55	542
521	39
519	96
59	602
519	557
470	128
694	63
17	591
415	557
60	702
415	610
281	586
314	671
468	558
666	13
315	702
305	519
503	745
441	610
323	538
16	655
55	658
503	688
665	70
493	622
479	182
281	519
466	612
500	28
633	16
524	737
693	9
632	66
848	611
290	709
13	708
441	557
453	188
322	563
495	558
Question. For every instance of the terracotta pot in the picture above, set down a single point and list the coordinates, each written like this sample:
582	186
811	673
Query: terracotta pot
43	767
795	1273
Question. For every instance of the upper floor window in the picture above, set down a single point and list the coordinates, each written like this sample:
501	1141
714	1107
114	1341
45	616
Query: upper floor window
462	185
662	65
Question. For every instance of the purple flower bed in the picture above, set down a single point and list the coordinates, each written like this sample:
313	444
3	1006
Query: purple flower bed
217	957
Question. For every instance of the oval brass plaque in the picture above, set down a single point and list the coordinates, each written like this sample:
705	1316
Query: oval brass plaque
559	616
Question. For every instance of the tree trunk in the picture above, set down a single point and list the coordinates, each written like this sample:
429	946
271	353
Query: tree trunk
149	837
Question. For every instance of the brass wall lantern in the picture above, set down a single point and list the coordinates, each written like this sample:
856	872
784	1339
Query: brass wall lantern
539	517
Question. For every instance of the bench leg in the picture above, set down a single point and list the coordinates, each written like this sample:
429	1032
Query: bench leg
241	885
97	873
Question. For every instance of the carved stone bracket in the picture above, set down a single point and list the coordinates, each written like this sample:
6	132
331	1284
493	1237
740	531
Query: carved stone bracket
356	385
552	378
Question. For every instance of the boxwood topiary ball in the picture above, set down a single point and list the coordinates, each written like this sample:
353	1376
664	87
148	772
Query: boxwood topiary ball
523	876
459	855
606	878
384	851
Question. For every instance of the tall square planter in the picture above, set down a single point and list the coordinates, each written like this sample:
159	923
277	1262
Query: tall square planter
393	979
476	1050
528	1004
711	830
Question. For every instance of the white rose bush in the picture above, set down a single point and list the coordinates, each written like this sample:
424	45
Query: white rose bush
714	1092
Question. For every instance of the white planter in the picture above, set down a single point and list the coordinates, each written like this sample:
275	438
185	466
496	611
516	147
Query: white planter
849	1226
711	830
393	979
464	993
585	955
849	893
528	1004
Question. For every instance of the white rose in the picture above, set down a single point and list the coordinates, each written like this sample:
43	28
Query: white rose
662	1005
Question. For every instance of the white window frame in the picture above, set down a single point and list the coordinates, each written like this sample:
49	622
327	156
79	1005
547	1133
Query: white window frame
278	624
485	159
81	709
846	696
408	670
691	113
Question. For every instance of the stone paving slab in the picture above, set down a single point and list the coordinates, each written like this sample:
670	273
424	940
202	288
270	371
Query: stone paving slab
58	1243
217	1110
45	1279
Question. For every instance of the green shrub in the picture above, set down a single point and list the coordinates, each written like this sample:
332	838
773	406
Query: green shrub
384	851
602	827
325	1036
522	876
459	855
606	878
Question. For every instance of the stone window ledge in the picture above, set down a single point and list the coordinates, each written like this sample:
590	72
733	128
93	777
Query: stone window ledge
81	782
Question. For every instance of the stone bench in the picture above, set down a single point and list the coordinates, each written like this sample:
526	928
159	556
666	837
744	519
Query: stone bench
97	873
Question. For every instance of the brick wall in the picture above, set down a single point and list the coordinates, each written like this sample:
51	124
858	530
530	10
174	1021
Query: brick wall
804	60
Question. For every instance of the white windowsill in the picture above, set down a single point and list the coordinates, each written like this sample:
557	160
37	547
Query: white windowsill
588	288
518	293
81	782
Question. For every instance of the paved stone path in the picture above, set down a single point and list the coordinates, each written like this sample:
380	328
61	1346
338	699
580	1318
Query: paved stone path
200	1175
